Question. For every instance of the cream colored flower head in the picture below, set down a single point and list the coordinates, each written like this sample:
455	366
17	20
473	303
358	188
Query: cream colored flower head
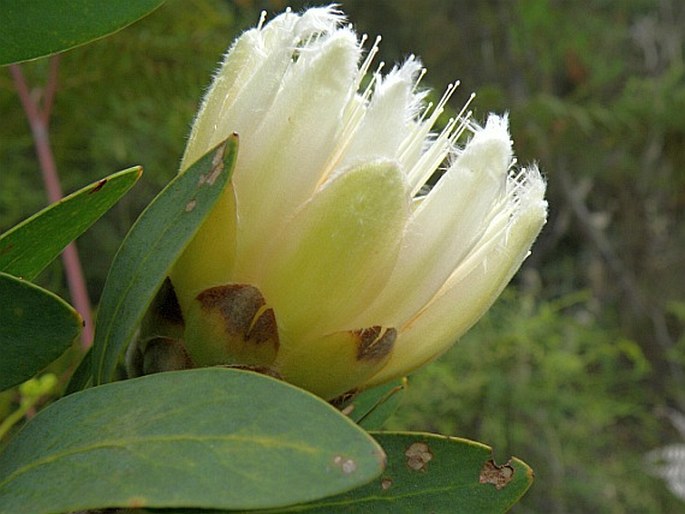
329	261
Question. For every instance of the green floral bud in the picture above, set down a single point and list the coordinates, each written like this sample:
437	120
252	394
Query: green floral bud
328	261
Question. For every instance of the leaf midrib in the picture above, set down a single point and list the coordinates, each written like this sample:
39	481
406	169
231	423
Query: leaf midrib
267	442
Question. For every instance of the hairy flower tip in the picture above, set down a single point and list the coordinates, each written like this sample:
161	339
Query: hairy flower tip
371	240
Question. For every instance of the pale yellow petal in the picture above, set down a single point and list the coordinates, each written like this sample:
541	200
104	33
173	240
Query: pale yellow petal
446	226
337	253
208	260
282	163
334	364
470	291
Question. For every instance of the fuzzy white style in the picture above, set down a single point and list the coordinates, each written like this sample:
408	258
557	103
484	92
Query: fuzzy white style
328	224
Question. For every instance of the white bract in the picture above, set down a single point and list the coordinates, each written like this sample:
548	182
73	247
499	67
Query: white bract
326	262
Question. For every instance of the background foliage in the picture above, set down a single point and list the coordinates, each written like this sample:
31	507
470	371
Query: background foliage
573	367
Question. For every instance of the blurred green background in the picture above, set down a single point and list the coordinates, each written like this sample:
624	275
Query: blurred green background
575	366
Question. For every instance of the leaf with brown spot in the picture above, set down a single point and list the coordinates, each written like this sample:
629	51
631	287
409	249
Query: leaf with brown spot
150	248
205	438
499	476
449	480
27	248
418	456
98	186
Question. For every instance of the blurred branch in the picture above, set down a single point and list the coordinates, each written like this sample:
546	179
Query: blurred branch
50	90
575	199
39	119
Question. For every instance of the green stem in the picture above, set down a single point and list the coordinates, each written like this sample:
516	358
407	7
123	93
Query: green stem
17	415
38	115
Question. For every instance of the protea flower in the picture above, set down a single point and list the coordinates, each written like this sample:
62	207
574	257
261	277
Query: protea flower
329	261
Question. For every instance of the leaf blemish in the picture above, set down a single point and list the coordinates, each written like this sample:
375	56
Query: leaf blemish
386	483
137	502
374	343
418	456
347	466
6	249
98	186
499	476
348	410
191	205
217	165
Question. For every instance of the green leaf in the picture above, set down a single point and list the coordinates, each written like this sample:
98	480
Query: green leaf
151	247
27	248
36	327
372	408
41	27
206	438
433	473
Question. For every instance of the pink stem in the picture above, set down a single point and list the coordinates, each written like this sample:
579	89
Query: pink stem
50	89
39	120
